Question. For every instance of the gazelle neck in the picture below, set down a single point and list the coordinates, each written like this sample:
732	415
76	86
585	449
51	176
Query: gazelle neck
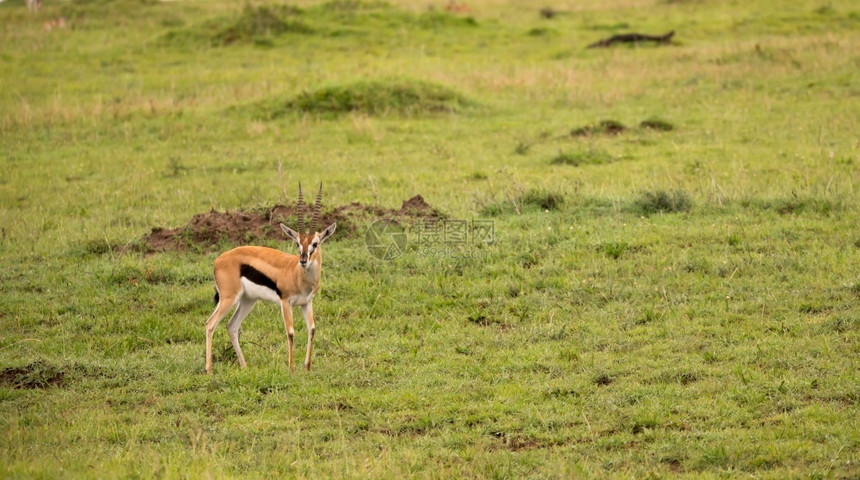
311	273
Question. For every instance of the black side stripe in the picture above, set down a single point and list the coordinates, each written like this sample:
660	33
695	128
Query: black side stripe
259	278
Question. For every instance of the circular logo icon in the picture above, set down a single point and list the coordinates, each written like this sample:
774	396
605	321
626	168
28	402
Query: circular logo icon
385	239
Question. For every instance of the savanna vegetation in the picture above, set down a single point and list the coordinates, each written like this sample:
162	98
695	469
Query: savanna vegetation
671	287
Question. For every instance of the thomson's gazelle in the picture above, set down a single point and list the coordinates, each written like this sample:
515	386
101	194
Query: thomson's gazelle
247	274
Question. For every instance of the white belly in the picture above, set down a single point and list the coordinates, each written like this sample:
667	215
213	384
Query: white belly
258	292
301	299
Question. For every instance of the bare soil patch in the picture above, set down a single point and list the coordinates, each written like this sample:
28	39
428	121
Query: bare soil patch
634	38
208	230
34	375
604	127
519	442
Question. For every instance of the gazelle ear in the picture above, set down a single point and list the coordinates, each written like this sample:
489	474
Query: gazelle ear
290	232
329	231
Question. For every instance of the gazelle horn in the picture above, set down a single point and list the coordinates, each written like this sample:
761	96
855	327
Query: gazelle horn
300	210
317	207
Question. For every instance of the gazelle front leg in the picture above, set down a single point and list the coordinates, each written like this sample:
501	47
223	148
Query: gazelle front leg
287	310
308	312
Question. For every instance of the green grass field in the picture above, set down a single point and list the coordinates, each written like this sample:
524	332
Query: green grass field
673	288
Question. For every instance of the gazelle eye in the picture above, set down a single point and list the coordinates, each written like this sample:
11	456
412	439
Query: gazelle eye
315	244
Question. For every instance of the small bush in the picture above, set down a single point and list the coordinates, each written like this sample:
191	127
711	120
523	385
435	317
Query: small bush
591	157
254	25
257	23
797	204
492	209
102	3
105	9
683	377
602	379
406	97
841	324
734	240
604	127
522	148
655	123
440	20
543	199
662	201
541	32
528	200
813	308
93	247
614	250
351	5
648	316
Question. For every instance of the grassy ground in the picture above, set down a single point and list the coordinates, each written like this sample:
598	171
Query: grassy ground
656	302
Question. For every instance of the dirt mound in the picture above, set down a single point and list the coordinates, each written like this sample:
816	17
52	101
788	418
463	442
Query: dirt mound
207	230
605	127
417	207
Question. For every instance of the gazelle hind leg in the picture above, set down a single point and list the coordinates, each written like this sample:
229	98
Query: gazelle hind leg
224	306
287	312
308	312
242	311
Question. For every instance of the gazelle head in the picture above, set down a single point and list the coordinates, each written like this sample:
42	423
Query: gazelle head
309	240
